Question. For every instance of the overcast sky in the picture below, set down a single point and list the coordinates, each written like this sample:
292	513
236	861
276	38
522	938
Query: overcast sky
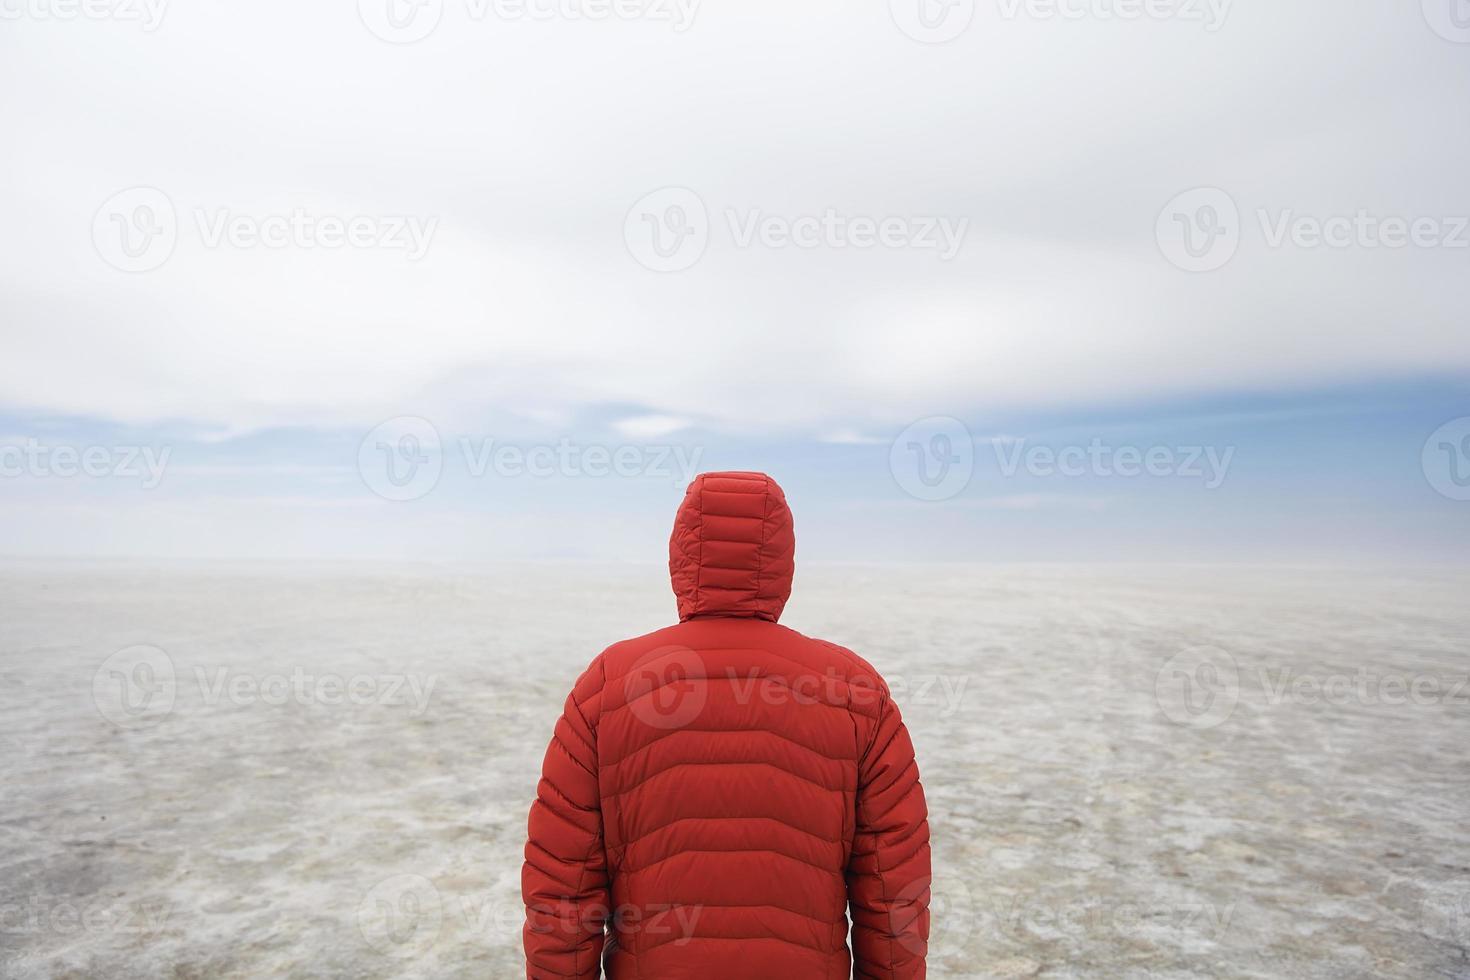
779	235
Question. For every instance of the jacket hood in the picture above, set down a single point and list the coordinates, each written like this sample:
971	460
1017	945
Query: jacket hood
732	552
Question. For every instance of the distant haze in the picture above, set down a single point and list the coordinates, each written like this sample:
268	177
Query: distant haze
254	234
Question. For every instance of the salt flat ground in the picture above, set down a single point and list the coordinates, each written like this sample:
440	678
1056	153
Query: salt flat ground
1132	771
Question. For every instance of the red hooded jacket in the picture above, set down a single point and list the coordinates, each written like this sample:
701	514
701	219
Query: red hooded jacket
719	793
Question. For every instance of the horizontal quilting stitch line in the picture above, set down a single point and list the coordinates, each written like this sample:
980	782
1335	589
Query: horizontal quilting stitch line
575	861
724	649
613	763
737	476
858	667
919	830
873	792
891	864
549	972
592	695
649	693
556	801
873	821
735	563
745	478
757	518
836	949
577	711
674	731
878	751
846	654
737	488
723	765
899	860
714	494
762	653
571	804
766	937
757	905
732	508
885	933
802	665
597	707
835	872
881	933
723	731
678	820
573	875
823	950
560	743
584	944
919	835
575	866
548	808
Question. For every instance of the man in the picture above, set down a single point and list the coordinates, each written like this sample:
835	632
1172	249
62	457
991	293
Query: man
719	793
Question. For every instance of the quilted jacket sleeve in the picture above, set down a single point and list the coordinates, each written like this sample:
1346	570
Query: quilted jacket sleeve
888	874
564	881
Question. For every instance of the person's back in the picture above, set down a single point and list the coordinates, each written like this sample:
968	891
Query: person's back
718	793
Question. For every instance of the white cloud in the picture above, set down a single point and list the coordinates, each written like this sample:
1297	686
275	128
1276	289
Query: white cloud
529	142
850	437
650	426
